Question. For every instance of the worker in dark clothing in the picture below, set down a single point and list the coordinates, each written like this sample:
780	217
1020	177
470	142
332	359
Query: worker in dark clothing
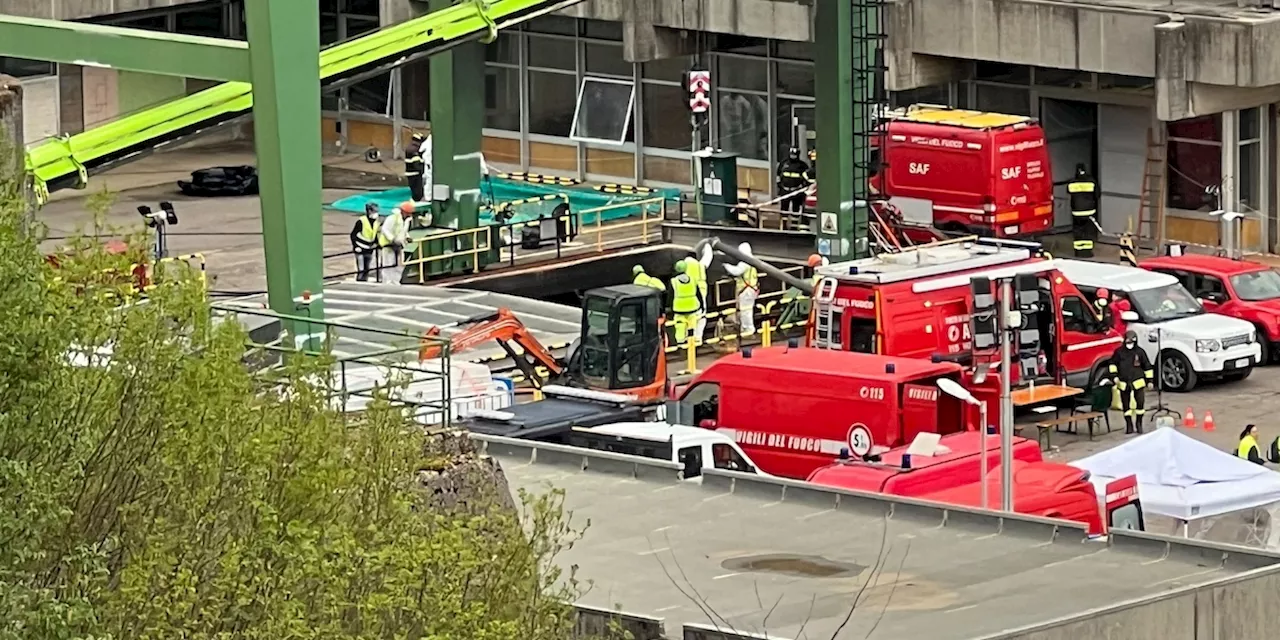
1084	212
793	177
1248	447
364	240
1131	370
414	166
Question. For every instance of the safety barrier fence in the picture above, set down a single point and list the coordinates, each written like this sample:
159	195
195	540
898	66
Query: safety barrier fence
754	216
144	277
595	622
366	361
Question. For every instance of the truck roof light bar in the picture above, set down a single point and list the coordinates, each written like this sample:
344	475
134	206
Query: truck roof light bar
586	394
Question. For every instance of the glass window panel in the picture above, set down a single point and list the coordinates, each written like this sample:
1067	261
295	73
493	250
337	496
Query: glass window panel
736	72
1249	178
744	124
666	117
502	98
670	69
552	97
794	50
552	53
1201	128
1192	167
787	133
604	110
606	59
603	30
795	78
1251	123
558	25
370	96
505	49
1011	100
415	90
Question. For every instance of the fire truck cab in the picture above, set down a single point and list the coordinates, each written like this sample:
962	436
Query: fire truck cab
917	303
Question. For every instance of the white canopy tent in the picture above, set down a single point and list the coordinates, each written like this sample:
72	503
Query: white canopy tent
1183	478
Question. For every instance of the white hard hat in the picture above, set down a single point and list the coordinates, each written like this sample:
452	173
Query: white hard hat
745	247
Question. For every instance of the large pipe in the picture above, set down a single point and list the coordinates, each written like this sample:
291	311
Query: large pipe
760	265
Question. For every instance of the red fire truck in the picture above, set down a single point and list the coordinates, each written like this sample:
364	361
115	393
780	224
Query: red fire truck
965	171
917	303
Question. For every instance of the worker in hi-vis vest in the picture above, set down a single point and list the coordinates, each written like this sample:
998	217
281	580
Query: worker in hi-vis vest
1084	212
1248	448
645	280
686	302
364	240
697	267
747	281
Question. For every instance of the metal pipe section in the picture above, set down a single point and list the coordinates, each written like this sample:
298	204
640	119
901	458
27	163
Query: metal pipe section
982	428
760	265
1006	401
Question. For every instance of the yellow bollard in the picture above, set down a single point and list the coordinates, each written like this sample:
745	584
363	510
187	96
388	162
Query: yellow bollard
766	334
691	350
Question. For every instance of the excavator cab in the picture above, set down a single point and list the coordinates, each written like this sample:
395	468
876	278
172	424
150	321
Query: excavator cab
621	348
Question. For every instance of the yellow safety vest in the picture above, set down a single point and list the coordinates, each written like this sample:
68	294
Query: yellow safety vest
750	278
369	230
641	280
694	270
685	295
1247	444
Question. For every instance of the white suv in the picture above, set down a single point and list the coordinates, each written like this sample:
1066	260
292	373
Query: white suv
1172	325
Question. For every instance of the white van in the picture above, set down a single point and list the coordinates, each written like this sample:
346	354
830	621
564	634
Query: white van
1171	323
693	447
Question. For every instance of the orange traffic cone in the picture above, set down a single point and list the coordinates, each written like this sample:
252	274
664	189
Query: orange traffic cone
1189	419
1208	420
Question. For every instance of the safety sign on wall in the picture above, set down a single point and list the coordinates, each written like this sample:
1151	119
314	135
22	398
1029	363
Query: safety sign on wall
859	440
829	226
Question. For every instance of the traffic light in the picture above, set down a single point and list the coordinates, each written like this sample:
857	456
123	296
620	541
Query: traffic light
983	321
1026	301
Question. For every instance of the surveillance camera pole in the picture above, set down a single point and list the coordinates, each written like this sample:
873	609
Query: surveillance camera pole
1006	399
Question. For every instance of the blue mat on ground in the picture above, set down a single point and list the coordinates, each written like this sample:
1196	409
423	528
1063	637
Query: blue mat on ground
581	198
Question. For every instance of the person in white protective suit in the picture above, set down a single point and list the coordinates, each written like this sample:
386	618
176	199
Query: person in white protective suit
747	280
393	240
696	266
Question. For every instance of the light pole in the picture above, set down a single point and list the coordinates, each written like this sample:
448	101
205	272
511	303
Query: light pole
160	220
953	389
1007	326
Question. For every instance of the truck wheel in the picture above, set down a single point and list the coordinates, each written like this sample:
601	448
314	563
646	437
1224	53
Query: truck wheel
1265	343
1099	372
1176	373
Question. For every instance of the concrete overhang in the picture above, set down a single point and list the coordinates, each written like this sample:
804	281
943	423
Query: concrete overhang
81	9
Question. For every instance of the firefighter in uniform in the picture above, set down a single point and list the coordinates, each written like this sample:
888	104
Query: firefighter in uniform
364	240
1084	210
645	280
793	178
415	166
686	302
1131	370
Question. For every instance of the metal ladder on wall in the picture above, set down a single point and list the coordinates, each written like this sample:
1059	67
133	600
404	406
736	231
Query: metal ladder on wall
1151	229
824	328
870	99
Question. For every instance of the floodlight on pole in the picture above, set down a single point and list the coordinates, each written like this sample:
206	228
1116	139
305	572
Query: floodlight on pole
953	389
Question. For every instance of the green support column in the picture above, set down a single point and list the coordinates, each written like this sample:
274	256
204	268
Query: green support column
840	121
283	39
457	130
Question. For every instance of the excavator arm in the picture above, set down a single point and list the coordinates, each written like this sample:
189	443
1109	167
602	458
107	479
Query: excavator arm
504	328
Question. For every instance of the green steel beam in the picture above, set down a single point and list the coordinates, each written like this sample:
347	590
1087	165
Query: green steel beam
838	177
457	130
286	116
93	45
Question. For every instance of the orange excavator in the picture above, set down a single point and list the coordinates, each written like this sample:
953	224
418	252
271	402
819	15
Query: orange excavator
620	348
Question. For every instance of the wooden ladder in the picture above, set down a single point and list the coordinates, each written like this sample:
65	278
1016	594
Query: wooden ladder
1150	231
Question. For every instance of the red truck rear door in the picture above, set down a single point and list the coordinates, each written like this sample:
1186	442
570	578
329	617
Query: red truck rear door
1020	182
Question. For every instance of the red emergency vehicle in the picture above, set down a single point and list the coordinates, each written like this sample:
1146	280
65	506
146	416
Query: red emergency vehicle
917	303
795	410
1041	488
965	171
1240	289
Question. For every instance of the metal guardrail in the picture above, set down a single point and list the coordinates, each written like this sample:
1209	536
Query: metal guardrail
740	215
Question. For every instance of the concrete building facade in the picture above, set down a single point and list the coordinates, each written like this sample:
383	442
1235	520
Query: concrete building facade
597	92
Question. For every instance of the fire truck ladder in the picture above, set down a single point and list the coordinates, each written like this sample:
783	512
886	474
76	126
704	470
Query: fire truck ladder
870	99
1151	230
825	331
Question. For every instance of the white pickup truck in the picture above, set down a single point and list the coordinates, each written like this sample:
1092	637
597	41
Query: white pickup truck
1183	341
694	448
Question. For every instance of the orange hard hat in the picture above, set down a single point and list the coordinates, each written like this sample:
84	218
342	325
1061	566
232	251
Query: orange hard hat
407	207
815	260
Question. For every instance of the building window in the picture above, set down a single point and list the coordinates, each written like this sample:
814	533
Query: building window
1194	162
794	78
552	53
552	99
504	50
668	70
795	117
606	60
666	117
1249	172
502	97
742	106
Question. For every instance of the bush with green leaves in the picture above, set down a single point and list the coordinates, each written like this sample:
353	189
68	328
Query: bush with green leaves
151	487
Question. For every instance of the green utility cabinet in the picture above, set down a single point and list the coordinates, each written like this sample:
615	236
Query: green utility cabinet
717	186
